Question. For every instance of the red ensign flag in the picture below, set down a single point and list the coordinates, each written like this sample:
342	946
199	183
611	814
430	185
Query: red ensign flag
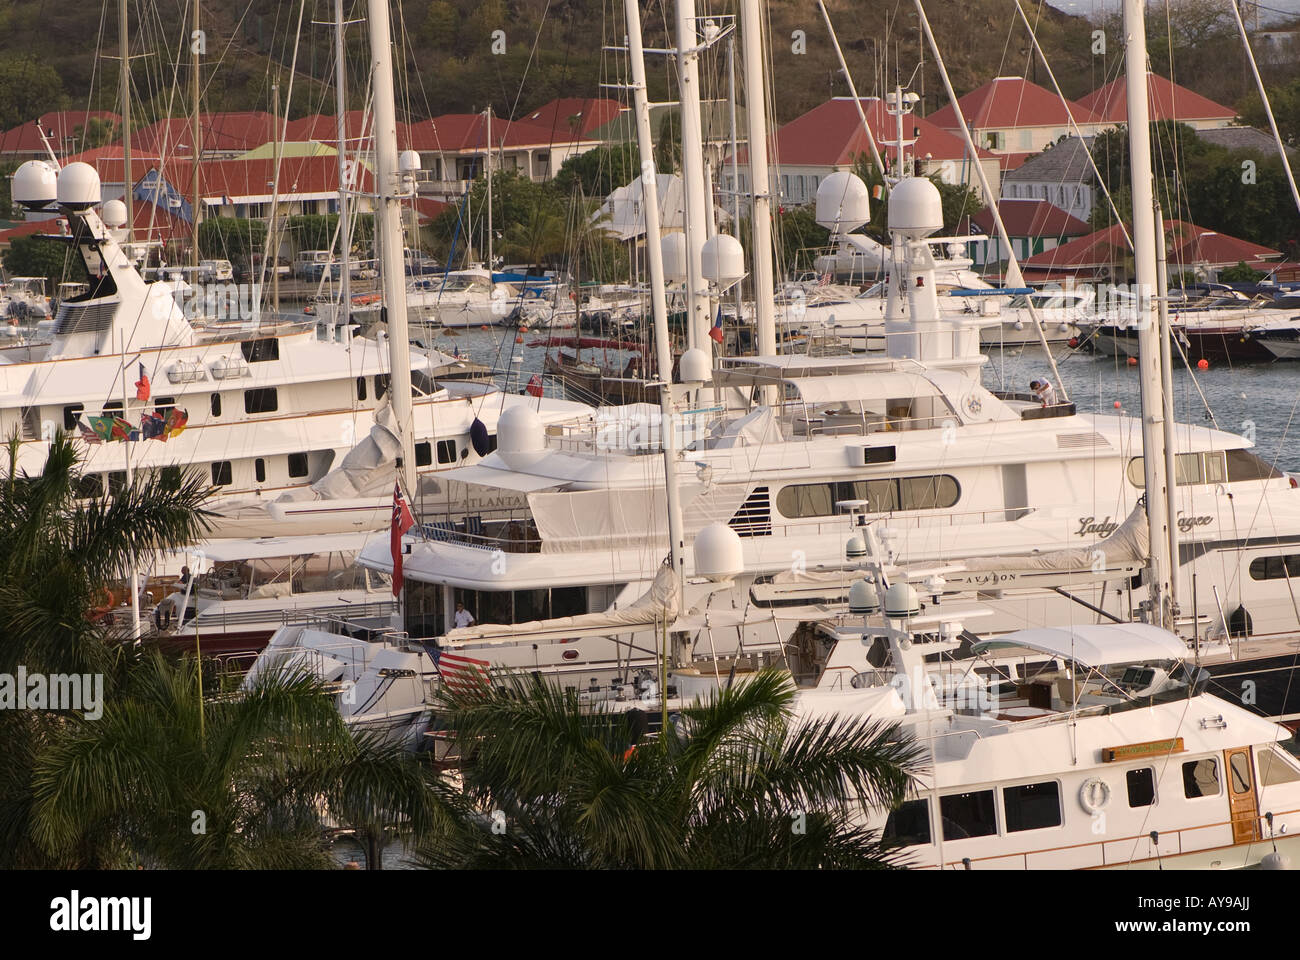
402	521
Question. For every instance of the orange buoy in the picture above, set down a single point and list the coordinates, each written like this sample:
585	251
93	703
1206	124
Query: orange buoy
1132	361
1117	404
484	327
1074	342
519	339
1202	364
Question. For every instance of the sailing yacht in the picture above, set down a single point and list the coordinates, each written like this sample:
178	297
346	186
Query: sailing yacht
262	410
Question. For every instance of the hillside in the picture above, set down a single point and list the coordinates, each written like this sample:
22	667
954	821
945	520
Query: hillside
52	55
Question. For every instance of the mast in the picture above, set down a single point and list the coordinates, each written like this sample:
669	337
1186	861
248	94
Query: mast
196	44
125	98
1167	392
488	113
344	308
273	245
761	209
1144	255
388	224
658	301
693	184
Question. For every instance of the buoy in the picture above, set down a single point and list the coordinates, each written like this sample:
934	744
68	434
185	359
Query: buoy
1132	361
1074	341
1117	404
1202	364
519	339
484	327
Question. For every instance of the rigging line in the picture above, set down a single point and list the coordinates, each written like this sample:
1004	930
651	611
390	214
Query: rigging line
1268	109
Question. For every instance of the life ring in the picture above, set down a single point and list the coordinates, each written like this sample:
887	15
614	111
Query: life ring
1094	794
97	614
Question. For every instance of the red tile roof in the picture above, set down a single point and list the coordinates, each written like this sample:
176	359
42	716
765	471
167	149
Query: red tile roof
467	132
249	178
1168	101
62	124
224	132
1011	102
1187	244
29	228
831	135
586	115
1031	218
108	162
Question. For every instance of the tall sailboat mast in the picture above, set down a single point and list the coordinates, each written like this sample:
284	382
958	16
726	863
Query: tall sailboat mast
196	148
694	185
1160	573
751	25
388	224
343	311
124	81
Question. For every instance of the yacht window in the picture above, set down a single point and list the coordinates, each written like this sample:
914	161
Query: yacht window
446	451
968	815
1275	769
298	465
261	400
1244	465
361	388
116	482
259	470
1275	568
221	473
163	405
1194	469
71	415
423	454
1032	806
216	404
90	486
909	825
1201	778
112	408
1239	771
1141	787
381	385
883	496
260	351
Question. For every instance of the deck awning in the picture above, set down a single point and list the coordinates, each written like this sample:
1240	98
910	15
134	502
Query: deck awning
502	479
1093	645
857	387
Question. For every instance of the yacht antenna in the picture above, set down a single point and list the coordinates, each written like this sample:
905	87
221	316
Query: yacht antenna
1014	279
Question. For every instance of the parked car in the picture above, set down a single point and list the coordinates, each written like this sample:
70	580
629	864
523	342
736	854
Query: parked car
215	271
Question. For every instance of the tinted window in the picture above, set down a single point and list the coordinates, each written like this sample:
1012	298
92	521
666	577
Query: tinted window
423	454
381	385
1275	568
259	351
909	824
259	470
216	404
1239	772
297	464
1141	787
163	405
882	496
221	473
446	451
1032	806
71	415
361	388
261	400
116	482
968	815
1244	465
1201	778
1274	768
90	486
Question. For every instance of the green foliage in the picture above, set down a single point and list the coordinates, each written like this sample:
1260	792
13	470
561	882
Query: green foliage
597	173
315	231
801	237
37	256
668	143
1240	274
28	88
719	789
231	238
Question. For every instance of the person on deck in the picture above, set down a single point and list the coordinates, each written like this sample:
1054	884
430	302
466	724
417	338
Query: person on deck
1044	391
463	617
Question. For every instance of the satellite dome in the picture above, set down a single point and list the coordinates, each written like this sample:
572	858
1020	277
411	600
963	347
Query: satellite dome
35	184
718	552
78	186
114	213
843	203
862	598
915	208
696	366
723	260
673	246
901	602
520	430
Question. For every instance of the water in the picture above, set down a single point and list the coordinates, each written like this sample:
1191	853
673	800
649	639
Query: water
1259	401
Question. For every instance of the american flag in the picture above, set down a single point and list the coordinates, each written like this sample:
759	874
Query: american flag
460	674
824	280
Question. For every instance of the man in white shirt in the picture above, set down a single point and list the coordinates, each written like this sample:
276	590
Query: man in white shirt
463	617
1044	391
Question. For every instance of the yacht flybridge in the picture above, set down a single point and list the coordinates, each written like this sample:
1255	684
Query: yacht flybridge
265	412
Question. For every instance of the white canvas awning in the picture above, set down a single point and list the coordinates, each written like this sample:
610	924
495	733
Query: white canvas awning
854	387
477	473
262	548
1093	645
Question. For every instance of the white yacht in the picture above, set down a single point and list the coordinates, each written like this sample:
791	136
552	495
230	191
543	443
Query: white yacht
260	410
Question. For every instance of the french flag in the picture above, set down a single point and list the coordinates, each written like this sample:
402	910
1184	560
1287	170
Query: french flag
715	332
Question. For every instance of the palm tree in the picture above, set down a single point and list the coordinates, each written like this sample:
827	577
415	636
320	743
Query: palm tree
737	781
237	782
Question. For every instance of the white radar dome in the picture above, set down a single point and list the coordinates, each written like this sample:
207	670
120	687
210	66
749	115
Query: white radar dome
862	598
901	602
673	246
79	186
718	552
520	430
915	208
723	260
114	213
695	366
843	202
35	184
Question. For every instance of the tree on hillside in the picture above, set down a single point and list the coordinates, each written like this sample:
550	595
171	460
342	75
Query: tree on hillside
37	256
28	88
